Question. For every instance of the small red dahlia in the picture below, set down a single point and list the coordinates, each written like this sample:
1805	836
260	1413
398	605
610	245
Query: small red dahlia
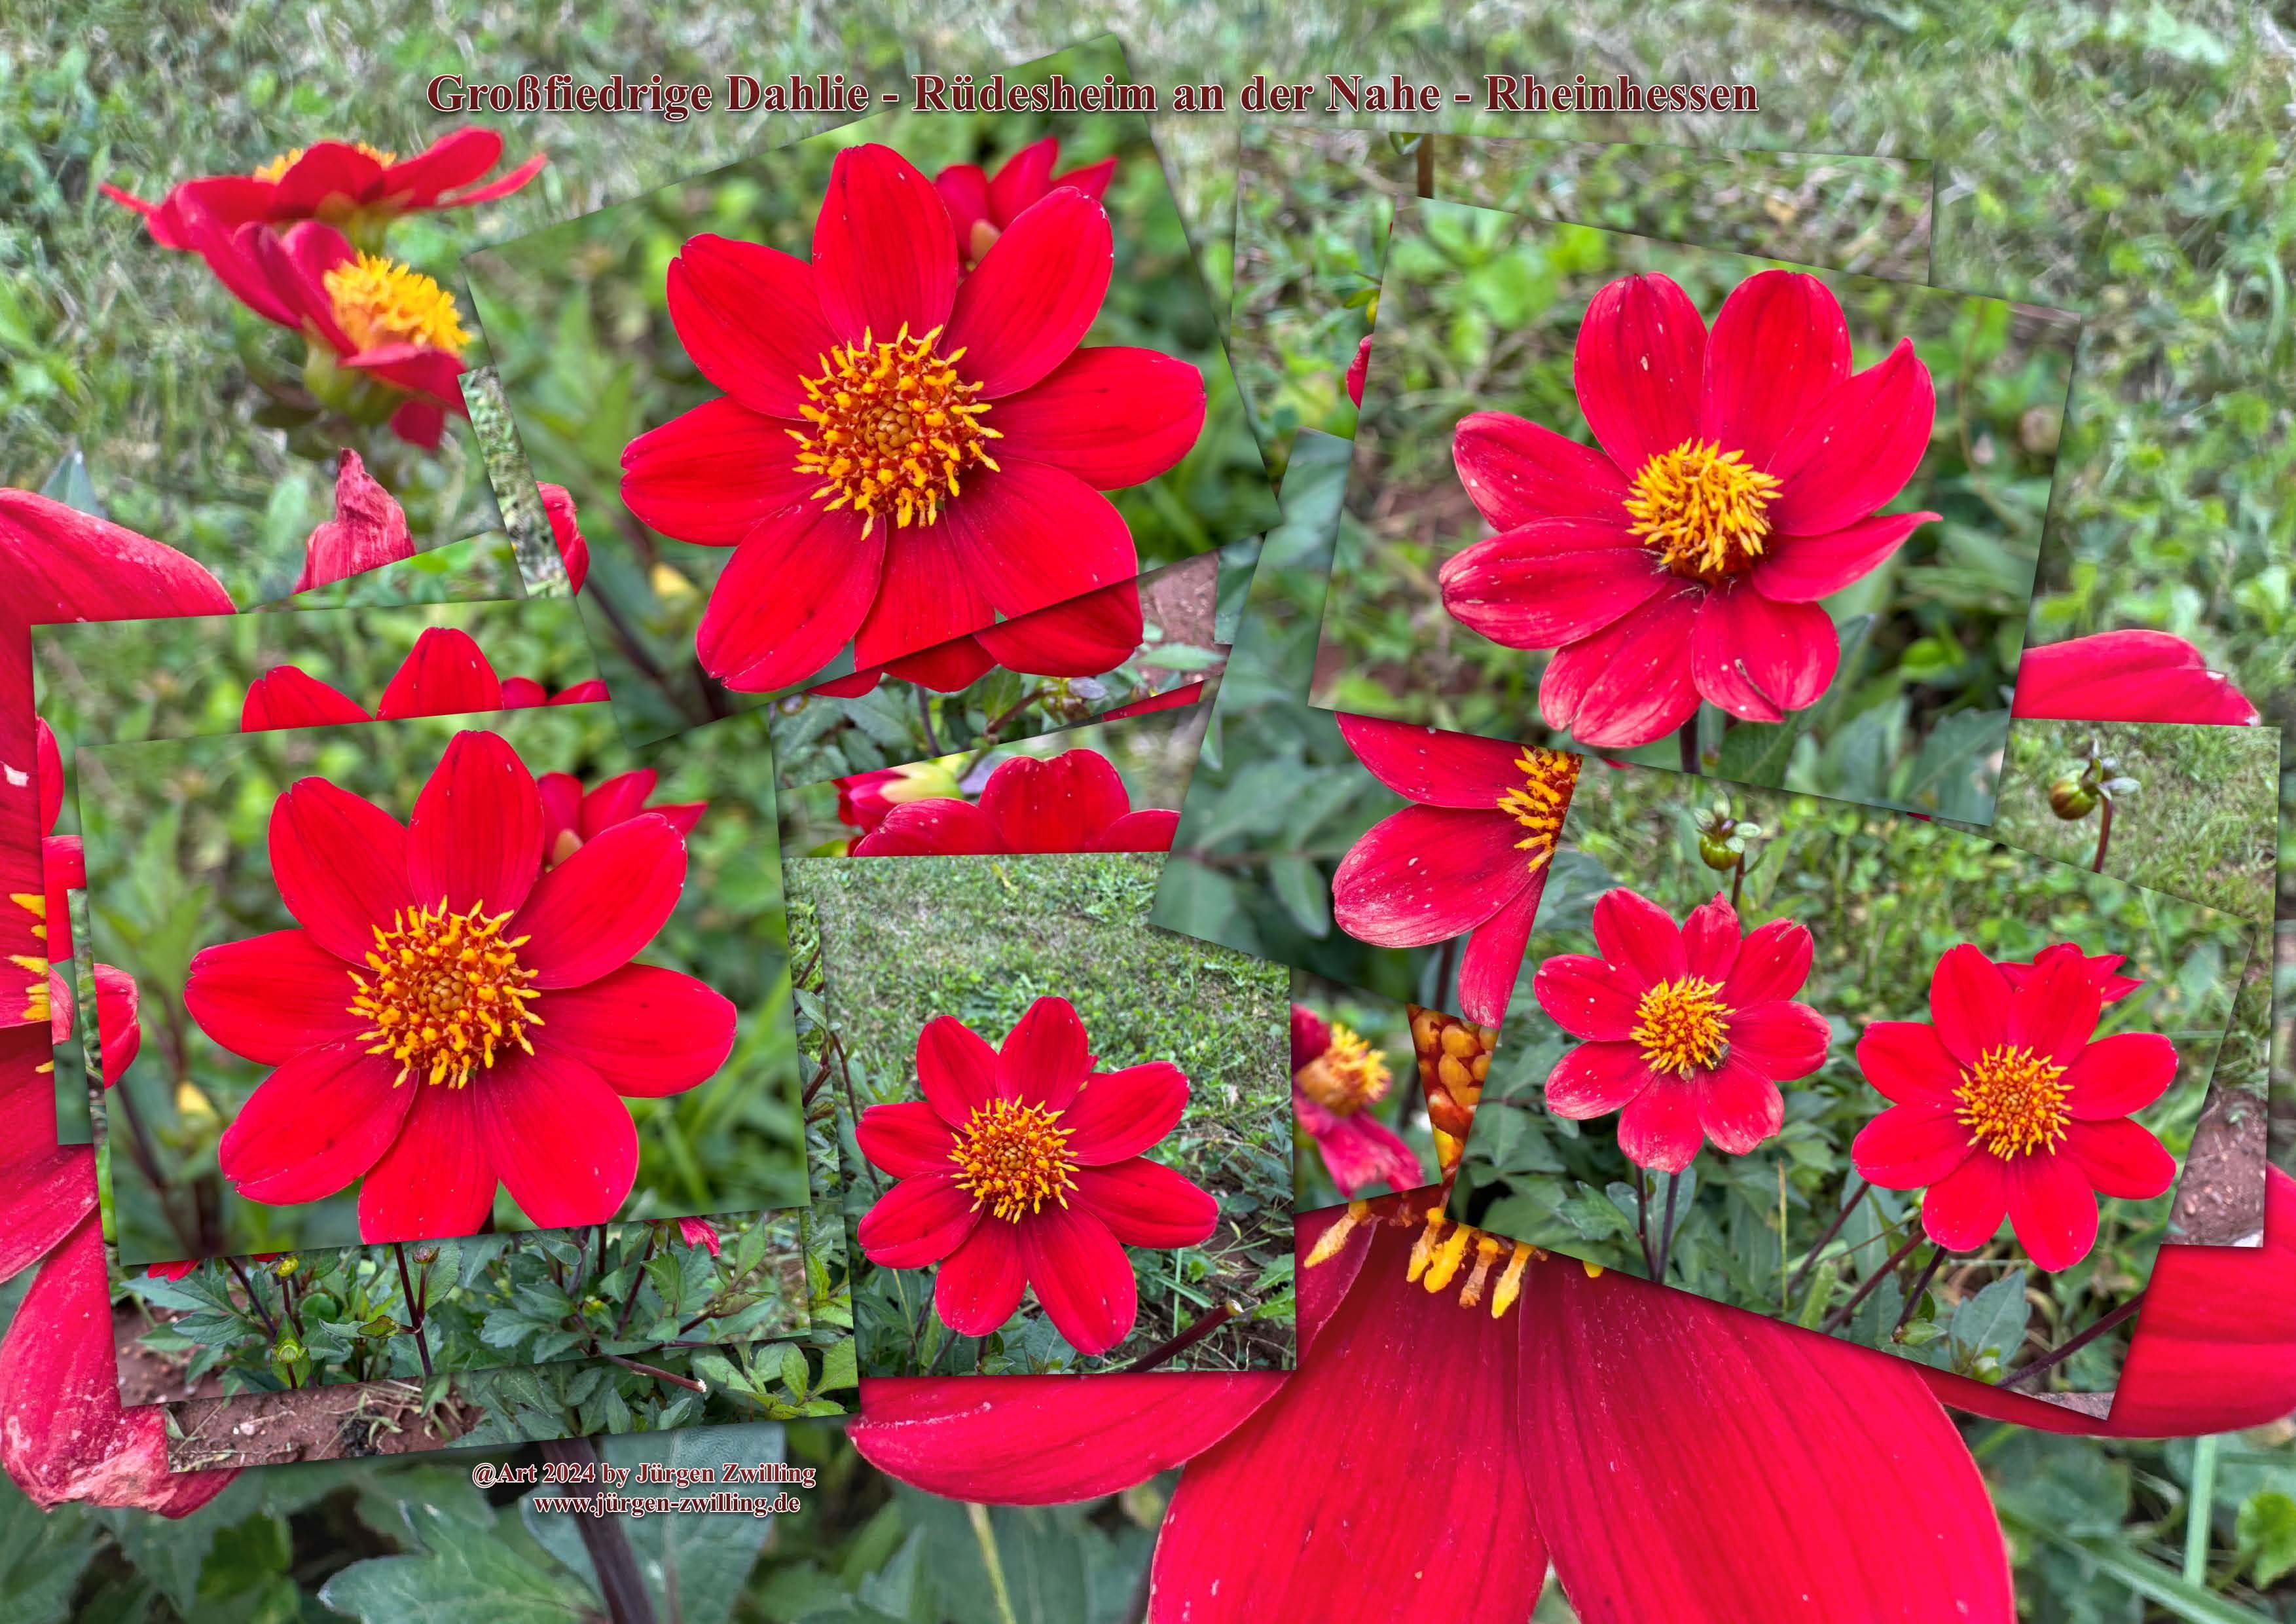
450	1015
1022	1168
1074	802
1739	482
1335	1075
903	453
2005	1103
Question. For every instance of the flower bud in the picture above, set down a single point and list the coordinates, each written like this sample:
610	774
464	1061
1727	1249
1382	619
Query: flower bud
1716	852
2070	797
286	1350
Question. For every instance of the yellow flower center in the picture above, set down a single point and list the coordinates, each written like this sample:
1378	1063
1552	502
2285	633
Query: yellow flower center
276	170
380	301
1701	507
1436	1256
1539	804
2013	1102
1683	1026
1013	1158
894	427
1347	1076
444	993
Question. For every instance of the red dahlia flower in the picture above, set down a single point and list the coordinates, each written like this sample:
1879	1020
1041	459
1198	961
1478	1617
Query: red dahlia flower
981	207
1021	1168
346	183
864	799
573	817
1086	636
699	1232
566	530
1689	1031
450	1015
1335	1075
369	528
902	454
1470	855
1358	370
446	673
1578	1431
1738	482
2002	1103
1074	802
2126	676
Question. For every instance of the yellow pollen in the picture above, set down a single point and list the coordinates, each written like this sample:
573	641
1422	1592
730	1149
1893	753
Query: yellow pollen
1701	507
1013	1158
1488	1247
379	301
1435	1262
1332	1241
1683	1026
1347	1076
1548	777
894	428
276	170
1448	1256
444	995
2013	1102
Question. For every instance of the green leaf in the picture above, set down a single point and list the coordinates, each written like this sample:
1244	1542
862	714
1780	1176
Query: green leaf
41	1557
1994	1320
2155	1581
466	1572
2265	1528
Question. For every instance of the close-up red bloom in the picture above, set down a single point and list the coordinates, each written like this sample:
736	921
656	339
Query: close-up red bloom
1086	636
983	206
572	816
699	1232
1738	481
566	530
903	453
1687	1031
1074	802
2004	1102
865	800
450	1015
1583	1434
1022	1168
1335	1075
446	673
348	184
2126	676
1469	855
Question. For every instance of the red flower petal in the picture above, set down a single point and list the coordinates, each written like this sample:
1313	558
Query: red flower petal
45	1188
1493	962
747	314
1111	415
1962	1211
286	697
1086	636
926	596
1033	297
1146	1203
793	595
1434	768
1021	179
1856	448
883	254
458	156
340	866
1711	937
2056	1009
1757	658
1550	583
963	191
445	674
1589	997
435	1181
958	663
1969	1001
267	998
931	828
1639	368
1739	1480
957	1069
594	911
1780	345
1034	535
476	835
1594	1080
2053	1209
648	1031
1804	569
905	1138
1359	1151
1517	473
1045	1058
1630	683
712	475
2121	1158
1772	962
1081	1277
1120	1114
501	186
918	1221
1044	1440
119	1030
2119	1074
616	801
979	1283
1908	1146
330	169
1783	1041
1149	829
1425	874
1055	805
368	529
314	1125
1660	1126
1639	937
559	1139
2126	676
1905	1061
